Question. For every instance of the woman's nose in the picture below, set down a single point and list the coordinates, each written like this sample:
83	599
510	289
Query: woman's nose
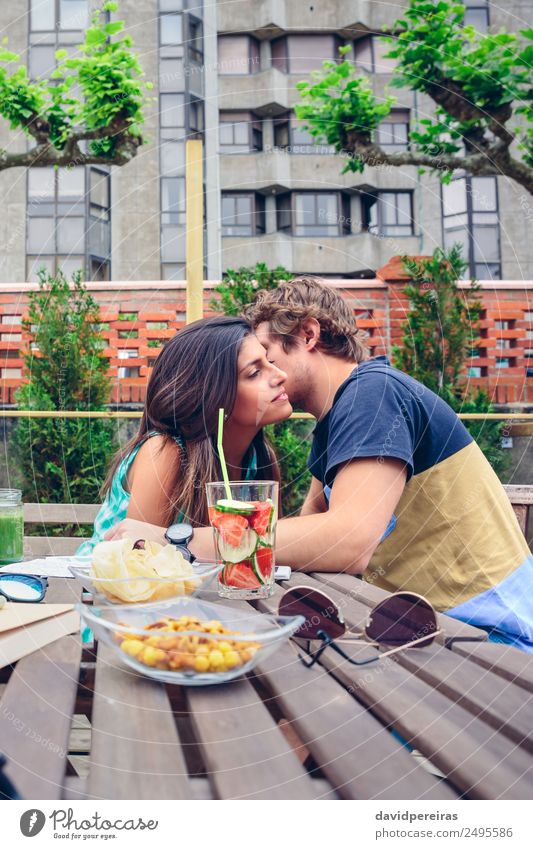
279	375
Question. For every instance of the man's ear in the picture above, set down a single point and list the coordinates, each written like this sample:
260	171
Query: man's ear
310	333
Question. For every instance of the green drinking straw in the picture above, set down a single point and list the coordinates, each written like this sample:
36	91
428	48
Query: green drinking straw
221	452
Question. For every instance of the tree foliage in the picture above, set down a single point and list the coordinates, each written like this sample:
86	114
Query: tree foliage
239	287
440	331
63	460
89	111
480	84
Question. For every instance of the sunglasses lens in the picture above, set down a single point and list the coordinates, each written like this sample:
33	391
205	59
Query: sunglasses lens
319	612
21	587
401	619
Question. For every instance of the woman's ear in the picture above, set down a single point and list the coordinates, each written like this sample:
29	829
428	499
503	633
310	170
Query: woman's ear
310	332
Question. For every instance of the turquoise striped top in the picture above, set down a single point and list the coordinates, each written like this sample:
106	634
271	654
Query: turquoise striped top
115	506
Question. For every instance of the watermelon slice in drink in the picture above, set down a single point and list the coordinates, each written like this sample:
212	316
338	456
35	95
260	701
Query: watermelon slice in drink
263	563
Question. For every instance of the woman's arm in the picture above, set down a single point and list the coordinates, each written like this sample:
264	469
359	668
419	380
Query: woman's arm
152	480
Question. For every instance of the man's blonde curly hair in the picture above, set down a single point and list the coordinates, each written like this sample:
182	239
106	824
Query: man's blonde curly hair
294	301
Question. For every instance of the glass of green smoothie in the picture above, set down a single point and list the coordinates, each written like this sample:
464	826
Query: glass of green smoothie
11	526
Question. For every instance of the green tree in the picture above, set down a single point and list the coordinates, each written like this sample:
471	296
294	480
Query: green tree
440	331
101	125
290	439
63	460
239	287
480	84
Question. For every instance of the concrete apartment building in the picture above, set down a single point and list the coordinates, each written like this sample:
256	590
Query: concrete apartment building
227	71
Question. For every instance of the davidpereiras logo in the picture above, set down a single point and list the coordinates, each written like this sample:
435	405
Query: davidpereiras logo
32	822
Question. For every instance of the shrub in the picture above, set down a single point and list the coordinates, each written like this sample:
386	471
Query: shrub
441	328
63	460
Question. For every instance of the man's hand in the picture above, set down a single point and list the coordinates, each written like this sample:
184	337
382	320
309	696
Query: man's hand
135	529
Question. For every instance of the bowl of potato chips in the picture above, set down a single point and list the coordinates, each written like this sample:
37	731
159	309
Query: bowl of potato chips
125	572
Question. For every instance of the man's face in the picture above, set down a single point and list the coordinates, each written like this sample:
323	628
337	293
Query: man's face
293	362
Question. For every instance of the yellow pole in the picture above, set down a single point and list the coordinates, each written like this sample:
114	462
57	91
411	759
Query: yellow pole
194	230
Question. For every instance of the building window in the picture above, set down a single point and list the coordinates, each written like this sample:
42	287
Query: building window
290	135
392	133
49	15
243	214
477	14
172	110
301	54
171	30
240	132
314	213
369	55
470	218
196	40
388	213
196	117
60	234
238	54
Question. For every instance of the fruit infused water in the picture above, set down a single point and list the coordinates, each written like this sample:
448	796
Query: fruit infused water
244	527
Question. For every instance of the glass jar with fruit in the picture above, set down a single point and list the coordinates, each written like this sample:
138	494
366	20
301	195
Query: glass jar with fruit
244	528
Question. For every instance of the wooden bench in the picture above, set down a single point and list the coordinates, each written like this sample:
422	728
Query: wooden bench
56	514
521	497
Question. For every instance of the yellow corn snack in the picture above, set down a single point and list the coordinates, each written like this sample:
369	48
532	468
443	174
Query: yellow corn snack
199	652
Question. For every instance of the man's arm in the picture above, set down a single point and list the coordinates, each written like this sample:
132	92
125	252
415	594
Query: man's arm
363	498
314	500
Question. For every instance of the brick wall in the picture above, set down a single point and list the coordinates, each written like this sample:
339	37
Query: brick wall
137	318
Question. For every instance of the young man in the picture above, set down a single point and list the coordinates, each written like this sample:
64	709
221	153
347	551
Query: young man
388	450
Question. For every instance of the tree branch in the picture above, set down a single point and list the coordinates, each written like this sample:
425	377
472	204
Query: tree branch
494	161
45	155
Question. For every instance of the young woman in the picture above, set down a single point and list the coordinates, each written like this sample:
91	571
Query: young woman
160	475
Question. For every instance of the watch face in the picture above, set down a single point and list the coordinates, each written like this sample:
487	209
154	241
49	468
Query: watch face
181	532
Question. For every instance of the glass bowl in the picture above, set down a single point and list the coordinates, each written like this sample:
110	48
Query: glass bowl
150	590
142	637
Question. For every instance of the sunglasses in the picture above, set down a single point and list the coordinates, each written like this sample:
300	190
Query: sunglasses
399	622
15	587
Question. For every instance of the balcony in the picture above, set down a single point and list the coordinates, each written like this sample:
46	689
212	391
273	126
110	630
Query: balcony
267	19
341	255
283	170
267	93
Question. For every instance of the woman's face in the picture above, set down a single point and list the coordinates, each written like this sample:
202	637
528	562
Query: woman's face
261	398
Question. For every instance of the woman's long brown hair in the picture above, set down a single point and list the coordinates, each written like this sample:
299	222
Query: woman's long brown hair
194	375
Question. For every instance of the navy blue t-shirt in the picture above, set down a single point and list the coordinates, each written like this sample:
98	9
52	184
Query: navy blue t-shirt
381	412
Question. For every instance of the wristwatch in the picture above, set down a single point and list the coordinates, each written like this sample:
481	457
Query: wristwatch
179	535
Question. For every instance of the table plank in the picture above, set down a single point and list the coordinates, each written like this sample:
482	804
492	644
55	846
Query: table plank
474	757
505	661
246	754
504	706
369	594
35	718
360	758
135	751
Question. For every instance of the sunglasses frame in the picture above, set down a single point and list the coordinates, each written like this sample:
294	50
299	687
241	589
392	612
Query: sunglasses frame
42	579
331	642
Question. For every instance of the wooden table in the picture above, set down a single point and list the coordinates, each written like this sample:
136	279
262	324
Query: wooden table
287	732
